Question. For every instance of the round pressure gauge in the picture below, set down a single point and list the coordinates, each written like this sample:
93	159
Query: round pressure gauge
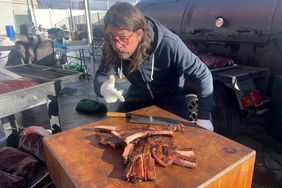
219	22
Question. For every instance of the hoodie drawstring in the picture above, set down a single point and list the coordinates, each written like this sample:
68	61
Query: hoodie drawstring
120	72
152	68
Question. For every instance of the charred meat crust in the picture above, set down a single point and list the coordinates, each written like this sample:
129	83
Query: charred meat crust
143	148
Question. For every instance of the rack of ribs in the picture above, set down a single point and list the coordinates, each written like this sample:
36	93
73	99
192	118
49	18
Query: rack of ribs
143	148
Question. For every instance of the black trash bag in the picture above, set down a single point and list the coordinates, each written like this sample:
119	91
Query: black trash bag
91	107
56	129
53	106
13	139
14	58
56	34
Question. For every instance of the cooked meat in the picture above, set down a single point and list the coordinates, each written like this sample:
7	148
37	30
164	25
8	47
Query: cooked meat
142	147
102	128
16	84
213	61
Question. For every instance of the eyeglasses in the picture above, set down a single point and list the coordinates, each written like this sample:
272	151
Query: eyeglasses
122	40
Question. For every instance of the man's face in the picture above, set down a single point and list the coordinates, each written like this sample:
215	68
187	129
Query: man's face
123	42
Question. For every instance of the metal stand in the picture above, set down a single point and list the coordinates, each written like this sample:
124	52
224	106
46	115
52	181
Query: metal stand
50	82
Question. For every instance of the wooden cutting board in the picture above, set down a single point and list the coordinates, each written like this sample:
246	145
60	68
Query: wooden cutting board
75	159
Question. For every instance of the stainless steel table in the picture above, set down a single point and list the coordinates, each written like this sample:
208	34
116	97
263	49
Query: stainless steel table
50	82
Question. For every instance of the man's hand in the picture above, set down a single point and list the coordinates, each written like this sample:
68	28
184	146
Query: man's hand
207	124
109	92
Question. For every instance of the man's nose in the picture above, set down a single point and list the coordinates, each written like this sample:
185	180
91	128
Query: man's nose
116	44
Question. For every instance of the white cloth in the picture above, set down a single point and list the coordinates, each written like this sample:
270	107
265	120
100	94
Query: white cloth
109	92
207	124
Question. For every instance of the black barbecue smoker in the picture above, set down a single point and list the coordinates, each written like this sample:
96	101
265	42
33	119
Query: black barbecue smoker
247	31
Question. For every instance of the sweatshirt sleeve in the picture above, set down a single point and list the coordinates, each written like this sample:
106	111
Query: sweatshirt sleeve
198	76
102	75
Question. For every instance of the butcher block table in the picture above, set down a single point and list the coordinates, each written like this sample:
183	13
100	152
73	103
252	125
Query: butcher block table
75	159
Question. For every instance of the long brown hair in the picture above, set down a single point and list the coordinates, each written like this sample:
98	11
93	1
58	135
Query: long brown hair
125	16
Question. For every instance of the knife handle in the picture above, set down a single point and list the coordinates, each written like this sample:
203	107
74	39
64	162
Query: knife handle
116	114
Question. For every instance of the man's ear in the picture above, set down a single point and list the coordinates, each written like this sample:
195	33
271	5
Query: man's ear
140	34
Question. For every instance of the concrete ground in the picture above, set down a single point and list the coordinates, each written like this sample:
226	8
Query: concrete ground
268	165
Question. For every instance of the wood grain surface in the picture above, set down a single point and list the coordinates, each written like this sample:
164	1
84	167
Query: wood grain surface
75	159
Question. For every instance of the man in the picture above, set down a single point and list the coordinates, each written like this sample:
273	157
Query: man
154	60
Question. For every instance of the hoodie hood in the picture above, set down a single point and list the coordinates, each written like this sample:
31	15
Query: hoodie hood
157	35
156	32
